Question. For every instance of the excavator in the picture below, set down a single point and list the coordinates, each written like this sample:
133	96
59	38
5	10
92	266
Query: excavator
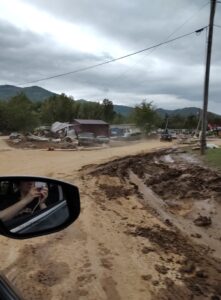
165	135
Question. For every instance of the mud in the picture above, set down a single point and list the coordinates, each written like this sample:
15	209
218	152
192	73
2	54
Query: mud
203	221
178	180
114	192
120	248
169	241
40	273
187	270
200	274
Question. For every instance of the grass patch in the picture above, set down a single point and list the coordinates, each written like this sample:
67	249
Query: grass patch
213	158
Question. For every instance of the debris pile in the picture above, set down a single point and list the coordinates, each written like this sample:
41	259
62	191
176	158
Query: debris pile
57	136
39	142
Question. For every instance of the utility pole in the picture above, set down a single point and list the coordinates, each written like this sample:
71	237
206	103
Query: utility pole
199	115
207	75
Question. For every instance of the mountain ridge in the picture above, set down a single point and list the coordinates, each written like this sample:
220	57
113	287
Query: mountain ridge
36	93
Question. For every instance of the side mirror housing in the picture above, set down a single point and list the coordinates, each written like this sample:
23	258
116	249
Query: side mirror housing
34	206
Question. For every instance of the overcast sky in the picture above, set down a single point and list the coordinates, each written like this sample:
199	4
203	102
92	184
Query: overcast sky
41	38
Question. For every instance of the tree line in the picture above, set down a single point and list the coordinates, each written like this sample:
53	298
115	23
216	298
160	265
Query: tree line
21	114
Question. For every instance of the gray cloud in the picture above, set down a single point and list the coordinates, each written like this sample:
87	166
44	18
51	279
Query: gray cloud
26	56
176	69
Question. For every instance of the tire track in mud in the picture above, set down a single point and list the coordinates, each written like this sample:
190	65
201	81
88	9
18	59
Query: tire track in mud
116	272
107	253
110	253
193	274
99	257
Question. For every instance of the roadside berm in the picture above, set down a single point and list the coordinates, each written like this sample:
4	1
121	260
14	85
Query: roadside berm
175	219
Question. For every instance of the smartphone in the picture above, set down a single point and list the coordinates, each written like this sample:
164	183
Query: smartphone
40	185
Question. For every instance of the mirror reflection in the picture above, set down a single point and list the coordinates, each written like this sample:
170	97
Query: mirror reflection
32	206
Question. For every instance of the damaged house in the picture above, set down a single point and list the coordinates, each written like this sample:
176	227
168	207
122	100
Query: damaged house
97	127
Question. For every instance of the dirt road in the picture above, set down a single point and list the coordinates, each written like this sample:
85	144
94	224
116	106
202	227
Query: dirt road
62	164
77	262
118	249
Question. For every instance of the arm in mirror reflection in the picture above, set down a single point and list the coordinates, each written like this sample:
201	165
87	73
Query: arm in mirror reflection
28	198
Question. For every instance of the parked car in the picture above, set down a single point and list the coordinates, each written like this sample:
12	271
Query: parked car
173	135
15	135
86	138
101	139
166	136
132	136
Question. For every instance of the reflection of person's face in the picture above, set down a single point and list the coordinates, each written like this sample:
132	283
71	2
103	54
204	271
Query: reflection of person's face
25	186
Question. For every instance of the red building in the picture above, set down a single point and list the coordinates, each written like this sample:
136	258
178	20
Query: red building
98	127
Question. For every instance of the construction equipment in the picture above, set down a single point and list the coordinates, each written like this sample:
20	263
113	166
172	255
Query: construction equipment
165	135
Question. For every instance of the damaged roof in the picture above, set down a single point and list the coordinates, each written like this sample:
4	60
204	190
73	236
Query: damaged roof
90	122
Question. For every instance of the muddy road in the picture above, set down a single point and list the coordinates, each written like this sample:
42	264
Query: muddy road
63	164
132	240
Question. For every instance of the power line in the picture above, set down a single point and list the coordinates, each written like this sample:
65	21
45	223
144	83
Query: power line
115	59
188	19
217	26
197	32
164	40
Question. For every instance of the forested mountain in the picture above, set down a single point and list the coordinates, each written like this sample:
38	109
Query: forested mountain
36	93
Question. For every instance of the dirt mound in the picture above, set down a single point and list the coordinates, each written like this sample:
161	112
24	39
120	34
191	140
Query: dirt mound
140	164
189	182
177	180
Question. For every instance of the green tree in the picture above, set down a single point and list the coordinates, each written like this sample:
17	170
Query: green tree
3	119
108	112
145	116
181	122
87	110
20	114
176	122
119	119
57	108
191	122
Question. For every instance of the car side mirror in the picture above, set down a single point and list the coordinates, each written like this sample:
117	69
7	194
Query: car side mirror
35	206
